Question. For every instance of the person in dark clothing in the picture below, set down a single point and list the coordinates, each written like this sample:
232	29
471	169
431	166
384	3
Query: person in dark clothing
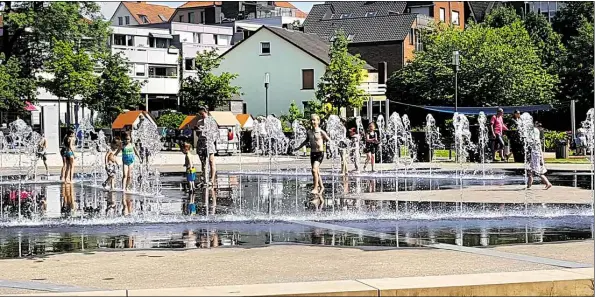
516	143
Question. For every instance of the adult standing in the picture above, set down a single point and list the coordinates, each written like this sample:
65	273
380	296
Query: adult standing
205	147
497	127
516	142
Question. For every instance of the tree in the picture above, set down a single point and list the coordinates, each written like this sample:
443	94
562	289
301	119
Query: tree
207	88
293	114
548	43
30	30
116	90
13	88
577	72
569	18
340	84
501	17
71	72
171	120
499	66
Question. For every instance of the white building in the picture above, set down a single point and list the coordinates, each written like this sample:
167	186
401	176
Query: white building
154	52
295	62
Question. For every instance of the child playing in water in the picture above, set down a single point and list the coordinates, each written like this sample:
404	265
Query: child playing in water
128	152
190	170
371	146
316	137
111	166
536	161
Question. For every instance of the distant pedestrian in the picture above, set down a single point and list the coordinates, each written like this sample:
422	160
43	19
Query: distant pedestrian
372	142
42	154
497	127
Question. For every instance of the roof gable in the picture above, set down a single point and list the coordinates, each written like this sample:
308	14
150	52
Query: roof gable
155	13
192	4
311	44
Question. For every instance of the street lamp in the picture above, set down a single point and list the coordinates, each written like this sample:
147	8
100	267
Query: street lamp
266	93
456	64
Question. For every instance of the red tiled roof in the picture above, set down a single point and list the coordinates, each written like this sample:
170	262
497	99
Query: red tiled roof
283	4
300	14
200	4
152	11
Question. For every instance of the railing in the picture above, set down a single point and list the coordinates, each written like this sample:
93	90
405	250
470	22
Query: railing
424	21
372	88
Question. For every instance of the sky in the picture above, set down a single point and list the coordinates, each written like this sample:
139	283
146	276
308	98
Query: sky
108	8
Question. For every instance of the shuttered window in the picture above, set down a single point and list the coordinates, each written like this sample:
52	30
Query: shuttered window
307	79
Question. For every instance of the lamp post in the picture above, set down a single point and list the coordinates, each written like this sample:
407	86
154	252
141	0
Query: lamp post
266	93
456	64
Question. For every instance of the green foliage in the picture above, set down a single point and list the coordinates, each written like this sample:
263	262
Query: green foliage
171	120
339	86
31	30
551	139
116	90
548	43
207	88
13	88
501	17
569	19
293	114
499	66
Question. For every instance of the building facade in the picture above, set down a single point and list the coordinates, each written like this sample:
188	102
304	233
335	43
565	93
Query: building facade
294	62
140	13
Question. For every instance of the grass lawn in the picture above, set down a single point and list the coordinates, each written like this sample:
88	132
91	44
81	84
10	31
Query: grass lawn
568	161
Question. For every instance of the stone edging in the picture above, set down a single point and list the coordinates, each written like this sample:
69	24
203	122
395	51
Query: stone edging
562	282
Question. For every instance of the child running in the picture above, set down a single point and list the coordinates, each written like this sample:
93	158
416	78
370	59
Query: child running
111	166
316	137
190	170
536	162
128	152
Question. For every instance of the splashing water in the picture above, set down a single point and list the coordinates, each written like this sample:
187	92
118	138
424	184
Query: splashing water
463	143
483	138
408	141
381	124
433	136
395	131
148	138
336	132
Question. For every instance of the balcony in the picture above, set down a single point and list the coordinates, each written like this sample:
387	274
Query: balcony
373	89
190	49
161	85
424	21
147	54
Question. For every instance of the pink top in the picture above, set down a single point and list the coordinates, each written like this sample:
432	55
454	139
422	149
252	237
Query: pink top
498	124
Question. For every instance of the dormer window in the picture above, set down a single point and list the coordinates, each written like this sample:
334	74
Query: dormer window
350	37
143	18
371	13
345	15
163	19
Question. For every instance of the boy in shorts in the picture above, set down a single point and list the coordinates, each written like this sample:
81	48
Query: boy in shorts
190	170
316	137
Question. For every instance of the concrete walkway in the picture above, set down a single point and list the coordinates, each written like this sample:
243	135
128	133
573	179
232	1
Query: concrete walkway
272	264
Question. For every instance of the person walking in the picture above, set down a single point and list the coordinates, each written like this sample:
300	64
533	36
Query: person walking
536	160
497	127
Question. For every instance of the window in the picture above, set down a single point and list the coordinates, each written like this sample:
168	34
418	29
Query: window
119	39
129	40
143	18
371	13
345	15
189	64
307	79
411	36
162	71
202	17
350	37
196	37
454	17
139	69
265	48
181	18
163	18
127	20
120	21
191	17
418	45
442	15
216	37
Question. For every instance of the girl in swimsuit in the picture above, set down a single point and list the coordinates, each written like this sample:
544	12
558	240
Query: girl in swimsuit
68	157
128	152
371	146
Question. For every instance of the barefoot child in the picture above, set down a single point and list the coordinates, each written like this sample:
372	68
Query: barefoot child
190	170
128	152
371	146
316	137
536	161
111	166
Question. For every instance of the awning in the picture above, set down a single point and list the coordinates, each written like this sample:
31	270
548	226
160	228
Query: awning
30	107
224	118
488	110
157	35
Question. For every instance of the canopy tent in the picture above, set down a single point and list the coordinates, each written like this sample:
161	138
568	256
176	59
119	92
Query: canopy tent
127	120
246	120
224	118
488	110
